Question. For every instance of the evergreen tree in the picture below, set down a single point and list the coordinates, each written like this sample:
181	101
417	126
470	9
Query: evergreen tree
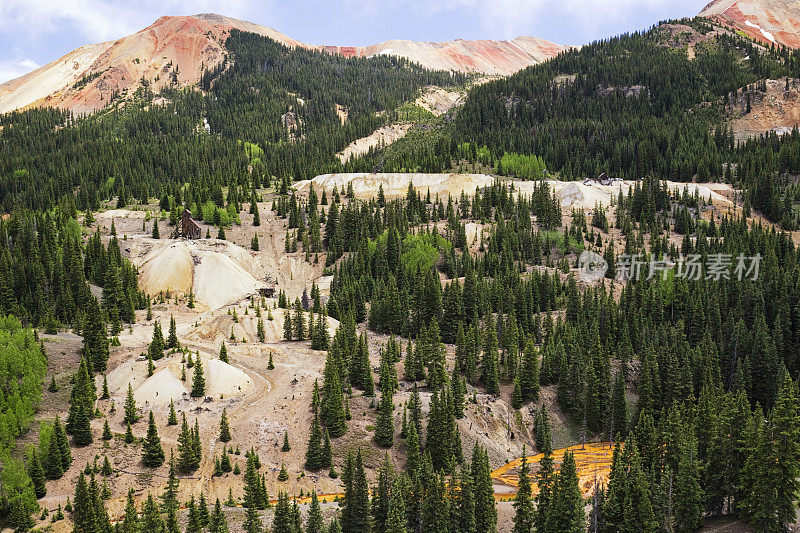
523	502
355	514
619	408
95	337
63	444
152	453
172	338
288	330
282	523
332	411
224	430
150	519
198	380
314	521
188	459
36	472
156	347
131	412
384	427
688	497
130	523
53	463
565	513
485	510
107	435
223	353
172	418
81	407
491	374
105	394
218	522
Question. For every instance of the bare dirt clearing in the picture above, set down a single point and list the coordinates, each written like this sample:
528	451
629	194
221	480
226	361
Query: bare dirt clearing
382	137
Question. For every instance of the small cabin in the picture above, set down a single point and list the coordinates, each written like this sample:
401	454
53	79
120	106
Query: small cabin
268	291
189	229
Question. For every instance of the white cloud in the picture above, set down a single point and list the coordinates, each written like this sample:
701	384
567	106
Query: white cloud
102	20
14	69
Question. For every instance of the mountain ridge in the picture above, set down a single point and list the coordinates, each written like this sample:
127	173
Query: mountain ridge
766	21
176	50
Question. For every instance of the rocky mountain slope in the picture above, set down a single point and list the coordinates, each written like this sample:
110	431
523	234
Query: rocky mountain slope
768	21
175	50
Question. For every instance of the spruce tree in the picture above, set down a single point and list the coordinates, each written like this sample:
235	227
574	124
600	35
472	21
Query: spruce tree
129	438
223	353
224	430
332	411
485	510
105	394
36	473
619	408
285	447
314	520
131	413
156	346
150	519
355	515
218	522
152	453
53	464
172	338
63	444
81	408
95	337
107	435
130	523
491	373
172	418
314	453
198	380
565	513
288	330
84	514
529	373
688	496
523	502
187	458
384	427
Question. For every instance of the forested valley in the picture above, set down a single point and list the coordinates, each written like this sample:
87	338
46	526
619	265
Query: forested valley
446	306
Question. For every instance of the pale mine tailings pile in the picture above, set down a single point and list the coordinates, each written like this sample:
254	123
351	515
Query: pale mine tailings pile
165	384
217	329
438	100
366	185
572	194
580	195
217	272
383	136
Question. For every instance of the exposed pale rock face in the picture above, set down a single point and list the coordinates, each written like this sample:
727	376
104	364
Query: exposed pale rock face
767	21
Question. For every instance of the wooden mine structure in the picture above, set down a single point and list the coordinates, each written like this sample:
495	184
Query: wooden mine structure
187	227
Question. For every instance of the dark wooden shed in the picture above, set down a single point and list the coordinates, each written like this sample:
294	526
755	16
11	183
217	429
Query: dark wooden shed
189	229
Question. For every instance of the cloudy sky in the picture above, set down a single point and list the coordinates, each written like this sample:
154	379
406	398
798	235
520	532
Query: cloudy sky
35	32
